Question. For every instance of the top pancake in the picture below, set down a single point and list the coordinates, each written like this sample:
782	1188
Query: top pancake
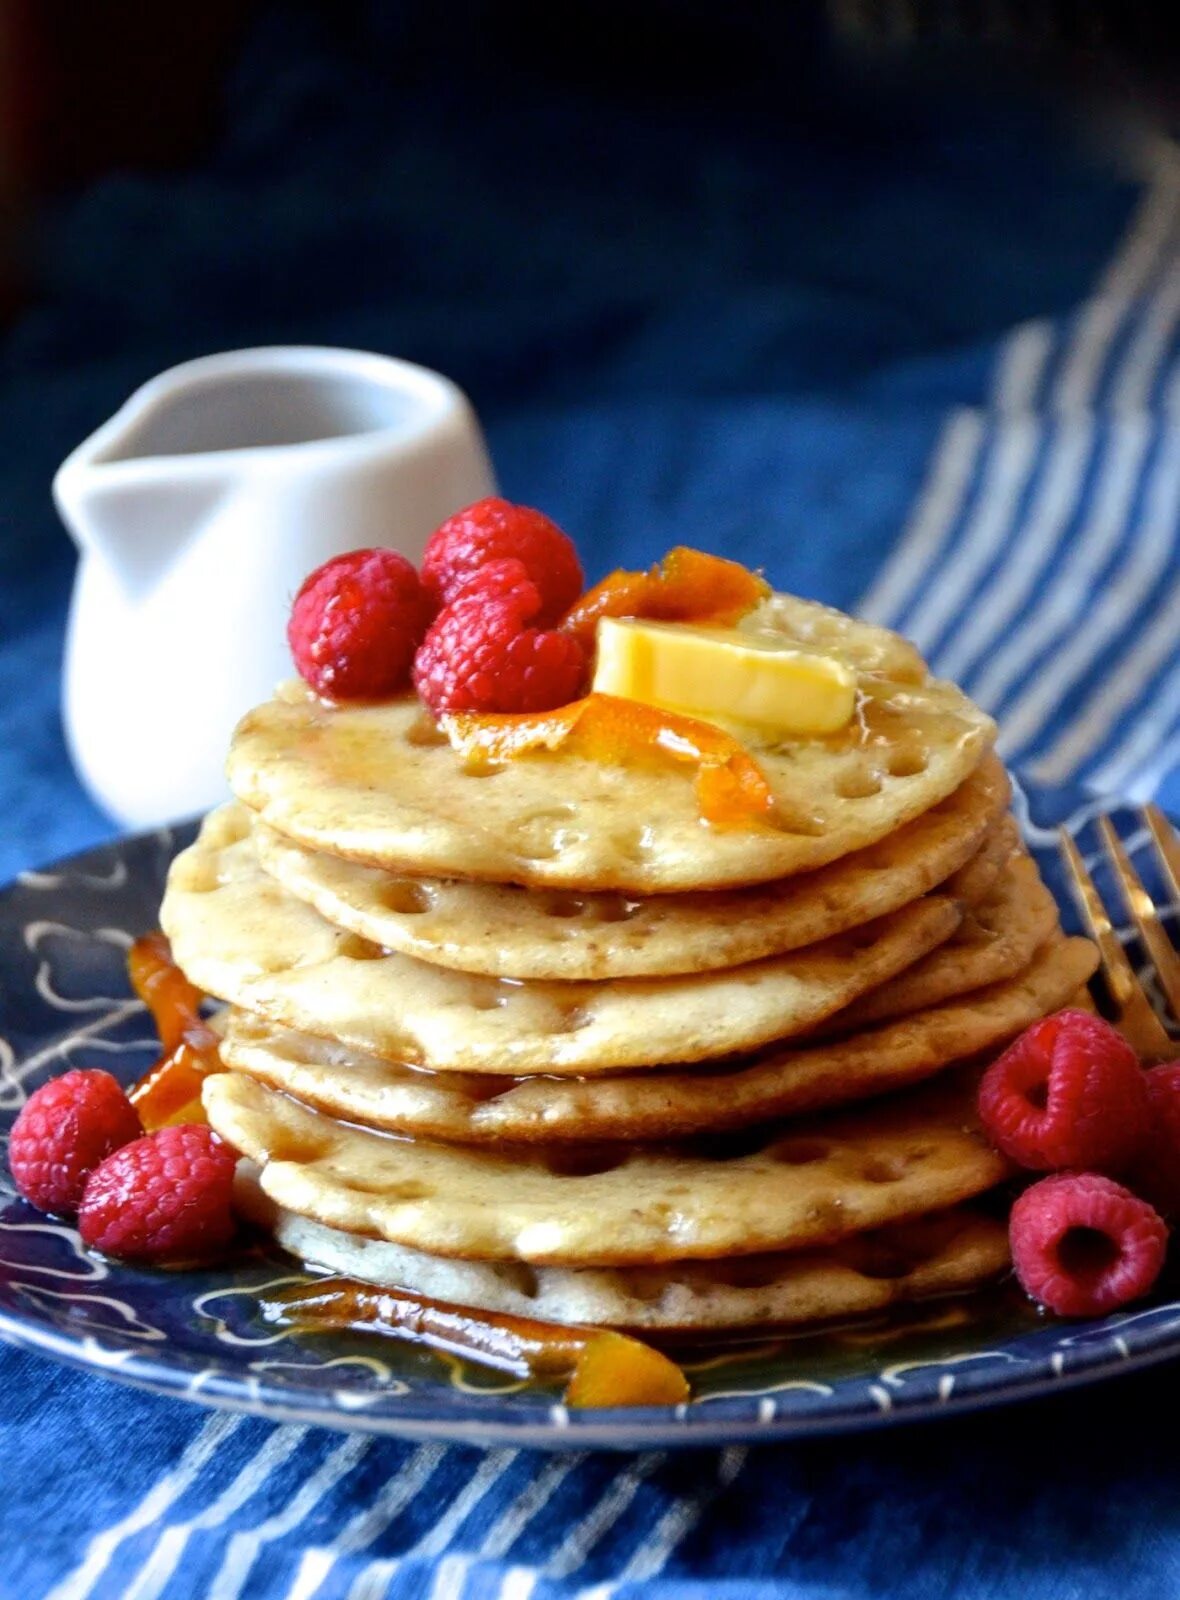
379	784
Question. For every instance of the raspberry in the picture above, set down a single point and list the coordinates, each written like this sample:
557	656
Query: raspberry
1156	1174
64	1130
481	654
493	530
356	623
1083	1245
1068	1093
164	1198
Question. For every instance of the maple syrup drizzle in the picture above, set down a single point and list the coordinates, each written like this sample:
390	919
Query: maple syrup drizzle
170	1092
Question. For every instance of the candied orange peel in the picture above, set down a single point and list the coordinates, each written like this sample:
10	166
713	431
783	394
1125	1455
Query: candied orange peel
603	1368
686	586
170	1092
731	787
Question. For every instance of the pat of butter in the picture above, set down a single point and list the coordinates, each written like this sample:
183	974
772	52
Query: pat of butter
760	679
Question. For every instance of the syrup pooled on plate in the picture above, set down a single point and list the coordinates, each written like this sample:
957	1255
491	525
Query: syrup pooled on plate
603	1368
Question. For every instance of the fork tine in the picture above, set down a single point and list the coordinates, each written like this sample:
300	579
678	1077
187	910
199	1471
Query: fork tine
1146	917
1136	1018
1166	843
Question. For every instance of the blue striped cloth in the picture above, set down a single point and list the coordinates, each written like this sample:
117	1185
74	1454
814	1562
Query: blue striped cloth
844	371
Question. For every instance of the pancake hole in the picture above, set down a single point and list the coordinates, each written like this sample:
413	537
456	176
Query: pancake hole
884	1169
406	898
858	785
752	1272
613	908
585	1160
520	1277
882	1261
643	1287
564	905
732	1145
354	948
800	1152
544	834
907	761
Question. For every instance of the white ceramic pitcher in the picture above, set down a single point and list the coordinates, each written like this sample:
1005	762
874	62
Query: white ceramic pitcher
198	509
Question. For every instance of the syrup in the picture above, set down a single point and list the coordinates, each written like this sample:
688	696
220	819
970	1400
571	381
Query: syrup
602	1368
170	1092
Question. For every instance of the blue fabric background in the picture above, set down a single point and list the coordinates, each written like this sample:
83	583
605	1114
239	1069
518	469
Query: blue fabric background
729	305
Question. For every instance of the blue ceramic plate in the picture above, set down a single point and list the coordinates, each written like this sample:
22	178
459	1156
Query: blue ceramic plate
64	1002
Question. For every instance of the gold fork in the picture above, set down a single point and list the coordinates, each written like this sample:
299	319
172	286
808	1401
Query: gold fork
1134	1014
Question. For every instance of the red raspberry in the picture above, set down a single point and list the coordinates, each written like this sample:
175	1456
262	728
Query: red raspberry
63	1131
1083	1245
1068	1093
481	655
164	1198
1156	1174
492	530
356	623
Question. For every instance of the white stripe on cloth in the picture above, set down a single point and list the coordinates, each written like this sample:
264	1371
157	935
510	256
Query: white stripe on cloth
672	1529
1074	580
598	1522
315	1565
153	1576
360	1531
453	1570
245	1547
374	1580
1021	366
1120	767
1017	442
1145	782
165	1492
935	512
518	1583
1136	387
1016	385
999	600
1115	607
1151	652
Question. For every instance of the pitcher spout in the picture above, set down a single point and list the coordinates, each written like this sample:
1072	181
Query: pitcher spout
134	517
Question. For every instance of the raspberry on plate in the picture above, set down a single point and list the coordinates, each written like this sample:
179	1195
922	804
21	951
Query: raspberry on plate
167	1197
1083	1245
1156	1174
495	530
356	623
65	1129
1068	1093
483	653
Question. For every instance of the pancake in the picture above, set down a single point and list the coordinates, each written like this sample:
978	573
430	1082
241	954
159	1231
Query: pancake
381	785
805	1185
240	936
945	1253
995	940
656	1105
507	931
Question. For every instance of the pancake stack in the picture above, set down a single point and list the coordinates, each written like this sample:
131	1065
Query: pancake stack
532	1037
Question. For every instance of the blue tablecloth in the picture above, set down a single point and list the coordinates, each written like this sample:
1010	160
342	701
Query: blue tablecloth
921	361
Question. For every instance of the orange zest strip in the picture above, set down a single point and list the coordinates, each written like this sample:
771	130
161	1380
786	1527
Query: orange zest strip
686	586
170	1092
604	1368
730	785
